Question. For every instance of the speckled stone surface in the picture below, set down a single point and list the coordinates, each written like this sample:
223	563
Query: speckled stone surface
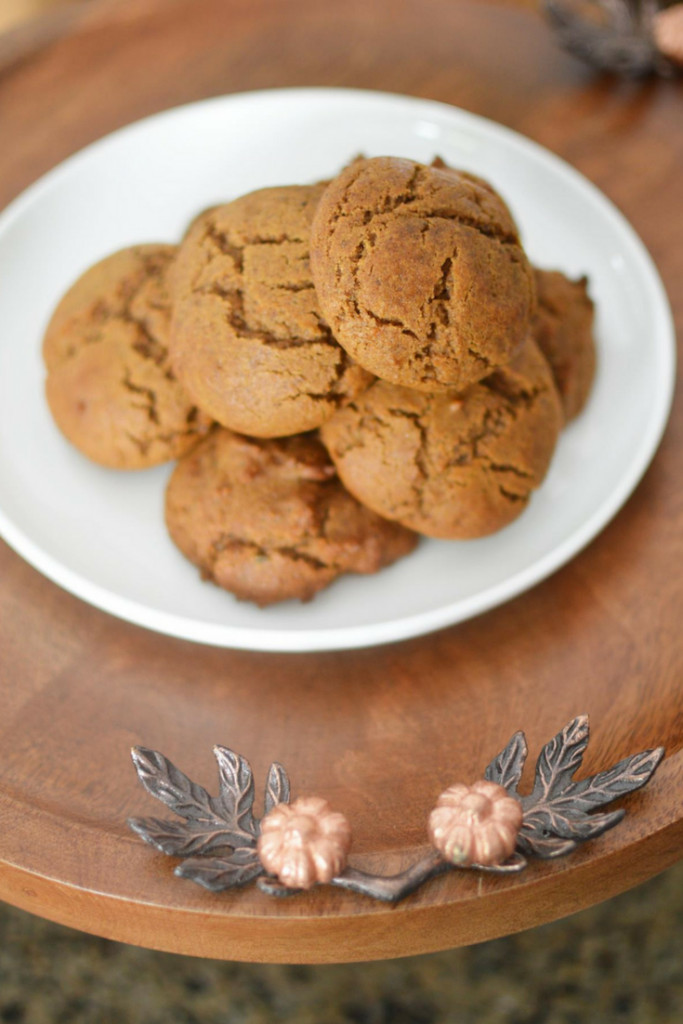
619	962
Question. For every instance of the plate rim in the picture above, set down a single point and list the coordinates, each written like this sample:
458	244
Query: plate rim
287	640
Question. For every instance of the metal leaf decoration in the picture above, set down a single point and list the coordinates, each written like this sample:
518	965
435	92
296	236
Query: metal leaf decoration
611	35
218	873
277	787
224	824
217	837
236	797
507	768
556	813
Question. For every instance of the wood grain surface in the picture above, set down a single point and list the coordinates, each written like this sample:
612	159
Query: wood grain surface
379	732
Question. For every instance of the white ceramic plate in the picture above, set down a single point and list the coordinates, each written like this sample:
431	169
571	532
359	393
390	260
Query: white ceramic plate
100	534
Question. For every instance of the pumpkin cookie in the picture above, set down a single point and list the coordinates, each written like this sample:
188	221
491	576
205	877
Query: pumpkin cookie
110	387
450	465
248	339
420	273
269	519
563	330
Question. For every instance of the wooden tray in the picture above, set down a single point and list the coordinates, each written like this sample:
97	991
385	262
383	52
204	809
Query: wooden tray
379	732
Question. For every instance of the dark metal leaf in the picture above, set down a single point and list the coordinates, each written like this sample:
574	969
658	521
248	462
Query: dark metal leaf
272	887
216	873
609	34
546	847
558	761
277	787
184	838
210	822
548	821
556	814
625	777
236	797
162	779
506	769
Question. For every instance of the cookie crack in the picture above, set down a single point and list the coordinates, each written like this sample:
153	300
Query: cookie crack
383	321
468	450
441	295
511	496
488	228
150	405
222	241
368	422
387	205
478	356
296	555
421	456
504	467
146	344
227	541
515	397
101	312
168	437
236	318
304	286
343	201
438	304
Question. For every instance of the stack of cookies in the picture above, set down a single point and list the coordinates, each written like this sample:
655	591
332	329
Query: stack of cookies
337	368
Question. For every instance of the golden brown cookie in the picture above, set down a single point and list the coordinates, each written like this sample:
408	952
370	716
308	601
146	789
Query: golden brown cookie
269	519
450	465
110	386
420	273
248	338
563	330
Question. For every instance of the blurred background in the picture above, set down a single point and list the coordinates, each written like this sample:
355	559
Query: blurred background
13	12
619	962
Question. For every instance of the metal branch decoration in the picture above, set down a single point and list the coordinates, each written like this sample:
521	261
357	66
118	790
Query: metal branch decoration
629	37
484	827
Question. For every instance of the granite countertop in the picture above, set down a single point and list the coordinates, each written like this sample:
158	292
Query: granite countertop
620	961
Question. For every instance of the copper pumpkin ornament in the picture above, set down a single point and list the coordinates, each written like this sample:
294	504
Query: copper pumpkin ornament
222	845
668	33
475	824
304	842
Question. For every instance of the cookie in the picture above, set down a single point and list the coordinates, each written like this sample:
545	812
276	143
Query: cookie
420	273
110	387
248	339
269	520
447	464
563	330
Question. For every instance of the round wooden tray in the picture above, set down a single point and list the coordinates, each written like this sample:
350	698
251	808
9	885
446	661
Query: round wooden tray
379	732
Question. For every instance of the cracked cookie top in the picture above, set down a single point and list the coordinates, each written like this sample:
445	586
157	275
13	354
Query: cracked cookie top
110	386
420	273
563	330
269	519
248	339
447	464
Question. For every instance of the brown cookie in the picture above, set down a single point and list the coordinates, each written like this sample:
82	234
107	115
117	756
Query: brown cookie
248	338
110	386
563	330
420	273
269	519
450	465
